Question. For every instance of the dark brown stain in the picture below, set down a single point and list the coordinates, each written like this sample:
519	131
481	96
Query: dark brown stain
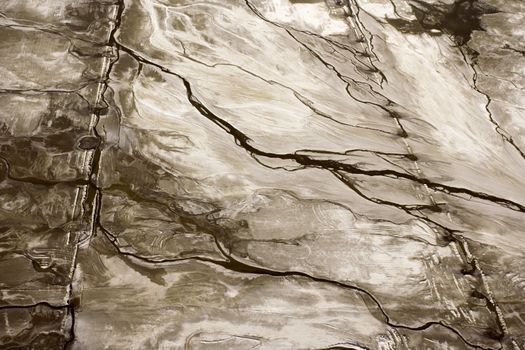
88	142
459	19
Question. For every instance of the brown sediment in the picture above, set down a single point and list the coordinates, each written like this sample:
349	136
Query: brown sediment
260	173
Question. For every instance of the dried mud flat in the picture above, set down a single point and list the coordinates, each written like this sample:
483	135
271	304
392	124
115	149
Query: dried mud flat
262	174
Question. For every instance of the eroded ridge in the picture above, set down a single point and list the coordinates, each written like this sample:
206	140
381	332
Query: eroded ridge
55	59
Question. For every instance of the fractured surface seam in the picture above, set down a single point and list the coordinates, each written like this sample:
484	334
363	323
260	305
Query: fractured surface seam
359	29
90	200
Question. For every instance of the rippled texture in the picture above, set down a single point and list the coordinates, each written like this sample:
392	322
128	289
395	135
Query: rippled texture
262	174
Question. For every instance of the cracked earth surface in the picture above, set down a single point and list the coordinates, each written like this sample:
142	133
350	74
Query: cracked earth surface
262	174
